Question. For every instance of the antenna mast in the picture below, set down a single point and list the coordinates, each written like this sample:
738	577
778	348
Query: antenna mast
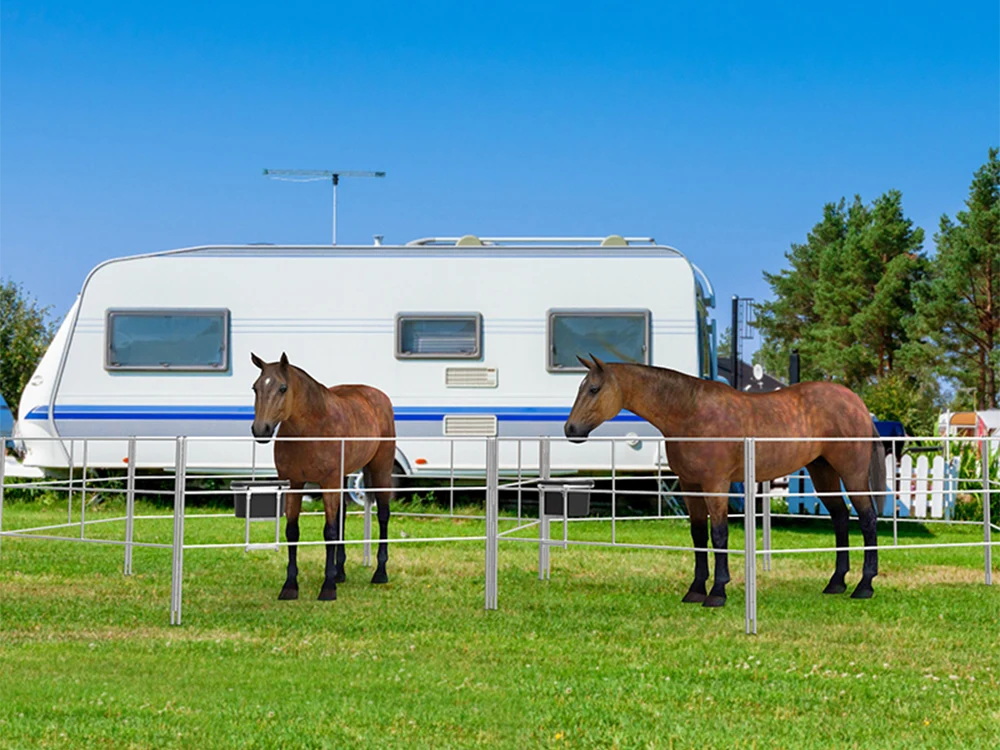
314	175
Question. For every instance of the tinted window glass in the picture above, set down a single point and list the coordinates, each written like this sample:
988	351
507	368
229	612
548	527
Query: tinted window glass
444	337
612	337
175	339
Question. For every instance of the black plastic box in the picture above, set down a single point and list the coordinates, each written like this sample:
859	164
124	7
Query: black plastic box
264	497
577	496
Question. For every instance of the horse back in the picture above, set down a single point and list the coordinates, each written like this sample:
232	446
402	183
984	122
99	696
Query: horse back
365	411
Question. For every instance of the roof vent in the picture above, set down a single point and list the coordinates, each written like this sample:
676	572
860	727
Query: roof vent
469	240
614	240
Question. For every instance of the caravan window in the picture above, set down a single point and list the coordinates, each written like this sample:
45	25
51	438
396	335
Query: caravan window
173	339
439	335
610	335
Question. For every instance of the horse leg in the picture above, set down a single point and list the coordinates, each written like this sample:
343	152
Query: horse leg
826	480
339	576
864	504
378	474
698	513
718	511
331	533
293	504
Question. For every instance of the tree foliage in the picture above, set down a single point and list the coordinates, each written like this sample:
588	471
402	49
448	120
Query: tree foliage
25	332
846	300
960	301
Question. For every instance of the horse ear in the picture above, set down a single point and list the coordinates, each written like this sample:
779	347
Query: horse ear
598	365
257	360
284	361
584	362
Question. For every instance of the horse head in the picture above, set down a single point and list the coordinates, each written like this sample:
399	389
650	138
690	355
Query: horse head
272	401
598	400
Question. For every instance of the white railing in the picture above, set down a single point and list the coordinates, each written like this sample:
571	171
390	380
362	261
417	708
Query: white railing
922	491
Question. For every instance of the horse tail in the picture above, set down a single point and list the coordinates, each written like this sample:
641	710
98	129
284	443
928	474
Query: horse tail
876	473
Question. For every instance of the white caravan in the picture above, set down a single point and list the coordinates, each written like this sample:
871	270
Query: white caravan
469	337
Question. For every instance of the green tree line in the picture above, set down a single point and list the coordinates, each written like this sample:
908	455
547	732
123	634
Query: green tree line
867	306
25	332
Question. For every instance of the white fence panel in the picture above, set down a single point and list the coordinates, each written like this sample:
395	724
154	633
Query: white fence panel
906	483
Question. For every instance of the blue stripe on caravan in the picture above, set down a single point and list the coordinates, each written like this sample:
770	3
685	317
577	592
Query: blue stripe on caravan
245	413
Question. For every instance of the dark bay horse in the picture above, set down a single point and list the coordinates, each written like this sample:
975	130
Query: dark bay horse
288	396
682	406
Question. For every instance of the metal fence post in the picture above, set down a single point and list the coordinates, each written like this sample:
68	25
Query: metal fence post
368	533
83	490
492	512
3	469
544	472
129	507
892	495
177	574
766	523
69	499
987	548
750	532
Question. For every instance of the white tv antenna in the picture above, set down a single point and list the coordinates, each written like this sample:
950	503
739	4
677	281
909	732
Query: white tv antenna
315	175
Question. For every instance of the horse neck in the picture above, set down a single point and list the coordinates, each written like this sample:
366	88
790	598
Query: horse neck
310	400
664	398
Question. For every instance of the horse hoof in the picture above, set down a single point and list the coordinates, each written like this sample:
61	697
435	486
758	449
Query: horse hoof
288	594
380	577
835	588
863	593
714	600
694	597
340	577
328	595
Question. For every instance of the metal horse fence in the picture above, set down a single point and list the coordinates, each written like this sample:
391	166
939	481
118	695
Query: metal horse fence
555	485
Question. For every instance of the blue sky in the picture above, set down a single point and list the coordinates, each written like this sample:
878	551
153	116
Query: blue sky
721	129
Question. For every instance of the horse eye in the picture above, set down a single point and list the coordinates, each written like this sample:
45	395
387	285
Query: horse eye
595	388
282	388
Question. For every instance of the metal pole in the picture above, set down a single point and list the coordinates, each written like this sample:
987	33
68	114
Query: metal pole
492	512
734	337
336	182
544	472
519	480
177	574
129	507
69	501
614	497
987	549
750	533
83	490
766	506
892	495
368	534
3	468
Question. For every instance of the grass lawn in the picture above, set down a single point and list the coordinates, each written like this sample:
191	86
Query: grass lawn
604	655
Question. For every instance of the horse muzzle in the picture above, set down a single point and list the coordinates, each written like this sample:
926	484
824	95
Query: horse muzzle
262	431
576	433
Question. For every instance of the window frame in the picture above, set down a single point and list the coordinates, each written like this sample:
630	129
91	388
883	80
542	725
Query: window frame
584	312
402	317
153	312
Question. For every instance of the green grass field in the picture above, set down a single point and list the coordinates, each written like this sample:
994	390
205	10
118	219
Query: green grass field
604	655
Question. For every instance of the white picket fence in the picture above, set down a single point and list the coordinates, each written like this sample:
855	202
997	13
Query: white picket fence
923	489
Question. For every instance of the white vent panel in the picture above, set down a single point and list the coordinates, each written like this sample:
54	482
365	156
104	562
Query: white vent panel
470	425
470	377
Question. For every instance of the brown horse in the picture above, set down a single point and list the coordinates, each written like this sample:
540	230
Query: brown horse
288	396
682	406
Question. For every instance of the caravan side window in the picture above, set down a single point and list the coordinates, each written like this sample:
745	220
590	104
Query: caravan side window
167	339
610	335
439	335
